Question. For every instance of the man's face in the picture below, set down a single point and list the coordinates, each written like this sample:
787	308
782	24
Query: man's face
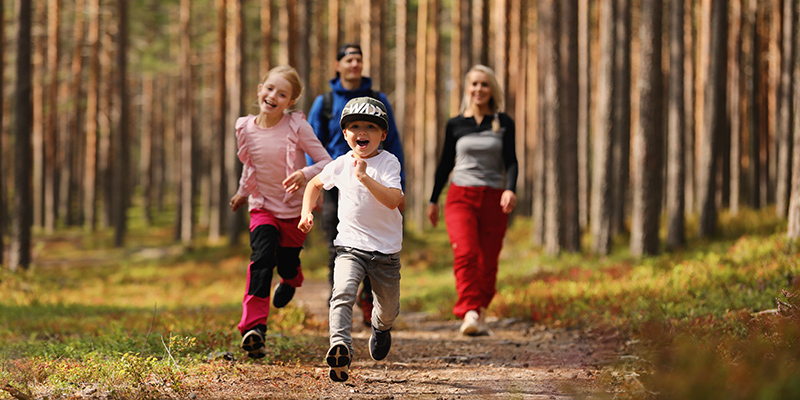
350	66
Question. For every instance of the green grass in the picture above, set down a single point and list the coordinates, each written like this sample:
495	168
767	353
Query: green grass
86	312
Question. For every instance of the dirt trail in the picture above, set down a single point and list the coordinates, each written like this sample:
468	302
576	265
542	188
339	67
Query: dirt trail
430	360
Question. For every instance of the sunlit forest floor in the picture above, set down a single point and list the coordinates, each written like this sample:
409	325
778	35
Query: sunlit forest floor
718	319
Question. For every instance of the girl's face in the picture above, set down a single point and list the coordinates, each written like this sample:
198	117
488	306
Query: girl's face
274	95
364	138
478	89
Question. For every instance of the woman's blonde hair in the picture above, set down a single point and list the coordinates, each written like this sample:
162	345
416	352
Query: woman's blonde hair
291	75
496	102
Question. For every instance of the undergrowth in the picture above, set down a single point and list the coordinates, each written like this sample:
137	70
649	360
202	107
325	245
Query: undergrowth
716	319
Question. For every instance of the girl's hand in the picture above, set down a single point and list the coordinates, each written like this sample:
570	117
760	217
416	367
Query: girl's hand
306	222
237	201
508	200
294	182
433	213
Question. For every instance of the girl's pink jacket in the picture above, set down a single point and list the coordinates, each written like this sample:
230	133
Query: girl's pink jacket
270	155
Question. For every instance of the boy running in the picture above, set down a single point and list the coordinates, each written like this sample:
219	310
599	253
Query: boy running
370	231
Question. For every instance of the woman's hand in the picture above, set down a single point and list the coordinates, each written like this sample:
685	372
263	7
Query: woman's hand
294	182
508	200
433	213
237	201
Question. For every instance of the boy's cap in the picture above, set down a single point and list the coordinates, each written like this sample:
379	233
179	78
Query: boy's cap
365	109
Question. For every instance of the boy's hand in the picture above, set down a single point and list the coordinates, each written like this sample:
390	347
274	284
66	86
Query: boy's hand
361	168
306	222
237	201
294	182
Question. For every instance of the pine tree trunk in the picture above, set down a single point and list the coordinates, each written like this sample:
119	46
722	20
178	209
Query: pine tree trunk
433	106
735	104
51	144
480	32
539	207
235	83
401	75
20	250
568	104
92	117
553	135
602	201
584	108
121	168
783	133
622	117
39	55
146	150
649	140
266	36
420	77
221	129
186	132
794	203
753	95
689	108
714	109
676	125
3	208
75	137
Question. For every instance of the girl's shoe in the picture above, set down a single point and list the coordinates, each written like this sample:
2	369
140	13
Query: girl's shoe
282	295
253	343
338	358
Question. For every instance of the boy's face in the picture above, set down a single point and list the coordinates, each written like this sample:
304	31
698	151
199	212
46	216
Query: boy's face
364	138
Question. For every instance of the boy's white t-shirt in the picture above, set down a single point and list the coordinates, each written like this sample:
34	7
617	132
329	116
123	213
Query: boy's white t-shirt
364	222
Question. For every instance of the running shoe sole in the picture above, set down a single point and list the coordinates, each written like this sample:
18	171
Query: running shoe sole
338	358
253	344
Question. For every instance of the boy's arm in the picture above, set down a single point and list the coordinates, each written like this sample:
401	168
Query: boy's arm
310	197
390	197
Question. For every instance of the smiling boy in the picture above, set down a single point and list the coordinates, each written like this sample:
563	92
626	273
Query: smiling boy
370	231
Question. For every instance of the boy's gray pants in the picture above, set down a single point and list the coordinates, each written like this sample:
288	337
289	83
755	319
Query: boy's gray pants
350	267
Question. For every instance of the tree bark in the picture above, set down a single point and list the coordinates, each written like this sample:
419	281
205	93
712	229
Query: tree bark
621	149
584	108
752	97
714	109
51	144
794	204
568	151
3	209
602	201
20	250
783	132
92	104
235	83
221	130
121	168
401	75
676	125
554	138
690	35
649	140
266	35
421	82
735	104
186	132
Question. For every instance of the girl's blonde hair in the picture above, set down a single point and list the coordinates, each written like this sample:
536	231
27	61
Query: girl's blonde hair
496	102
291	75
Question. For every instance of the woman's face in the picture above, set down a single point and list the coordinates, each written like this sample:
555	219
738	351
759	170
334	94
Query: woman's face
478	88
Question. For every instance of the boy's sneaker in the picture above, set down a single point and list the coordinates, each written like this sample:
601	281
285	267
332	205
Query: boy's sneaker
473	324
253	343
365	303
338	358
282	295
379	343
